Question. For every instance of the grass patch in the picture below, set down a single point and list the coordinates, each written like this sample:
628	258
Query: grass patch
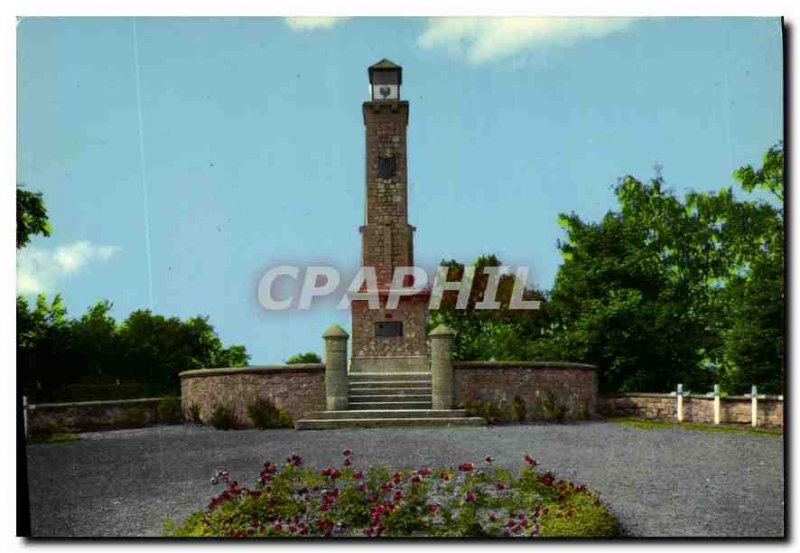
55	437
648	425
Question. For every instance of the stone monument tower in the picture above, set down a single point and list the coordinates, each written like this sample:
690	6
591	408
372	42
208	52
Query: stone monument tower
387	340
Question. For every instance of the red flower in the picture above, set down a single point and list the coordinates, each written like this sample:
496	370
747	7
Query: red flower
530	460
547	479
347	453
398	495
416	479
358	475
432	508
466	467
424	472
488	459
347	462
469	496
492	517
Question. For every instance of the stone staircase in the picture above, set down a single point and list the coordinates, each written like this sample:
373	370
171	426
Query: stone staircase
389	399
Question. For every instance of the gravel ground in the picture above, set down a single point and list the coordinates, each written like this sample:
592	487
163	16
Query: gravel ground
658	482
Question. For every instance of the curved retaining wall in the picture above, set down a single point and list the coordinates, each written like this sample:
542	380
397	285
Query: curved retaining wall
300	389
544	387
297	389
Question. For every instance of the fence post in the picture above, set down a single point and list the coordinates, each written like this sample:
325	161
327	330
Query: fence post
754	406
716	404
680	402
25	414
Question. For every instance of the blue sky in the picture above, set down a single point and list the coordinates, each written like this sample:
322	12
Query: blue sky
251	149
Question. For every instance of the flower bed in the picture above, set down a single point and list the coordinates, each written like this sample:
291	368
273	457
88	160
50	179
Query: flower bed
345	501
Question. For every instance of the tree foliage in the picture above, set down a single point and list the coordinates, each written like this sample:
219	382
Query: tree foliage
54	351
31	216
661	291
307	357
500	334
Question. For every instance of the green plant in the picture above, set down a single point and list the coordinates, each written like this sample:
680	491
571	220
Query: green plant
517	410
308	357
169	409
133	417
583	412
265	415
552	409
483	408
468	501
193	413
223	419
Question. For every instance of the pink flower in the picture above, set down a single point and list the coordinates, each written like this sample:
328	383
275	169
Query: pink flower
530	460
493	517
469	496
347	453
347	462
488	459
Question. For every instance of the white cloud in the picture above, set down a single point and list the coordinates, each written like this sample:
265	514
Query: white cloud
485	39
39	270
311	23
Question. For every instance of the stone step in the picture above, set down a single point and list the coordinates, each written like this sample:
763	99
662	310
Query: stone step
389	391
382	405
326	424
384	377
379	384
390	414
373	398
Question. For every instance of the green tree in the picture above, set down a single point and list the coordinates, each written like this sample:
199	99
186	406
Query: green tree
501	334
31	216
666	290
308	357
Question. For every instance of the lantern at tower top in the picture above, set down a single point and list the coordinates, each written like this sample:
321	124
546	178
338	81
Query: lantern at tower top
385	78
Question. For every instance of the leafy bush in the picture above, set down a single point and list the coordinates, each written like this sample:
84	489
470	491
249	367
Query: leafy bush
517	410
265	415
552	409
133	417
475	501
193	413
169	409
514	411
223	419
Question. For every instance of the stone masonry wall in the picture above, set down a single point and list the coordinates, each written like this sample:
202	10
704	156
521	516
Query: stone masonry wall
541	386
699	409
91	415
297	389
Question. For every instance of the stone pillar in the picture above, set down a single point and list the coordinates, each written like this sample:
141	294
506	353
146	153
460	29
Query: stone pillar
335	368
442	378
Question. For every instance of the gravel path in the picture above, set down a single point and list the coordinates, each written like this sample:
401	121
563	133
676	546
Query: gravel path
658	482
